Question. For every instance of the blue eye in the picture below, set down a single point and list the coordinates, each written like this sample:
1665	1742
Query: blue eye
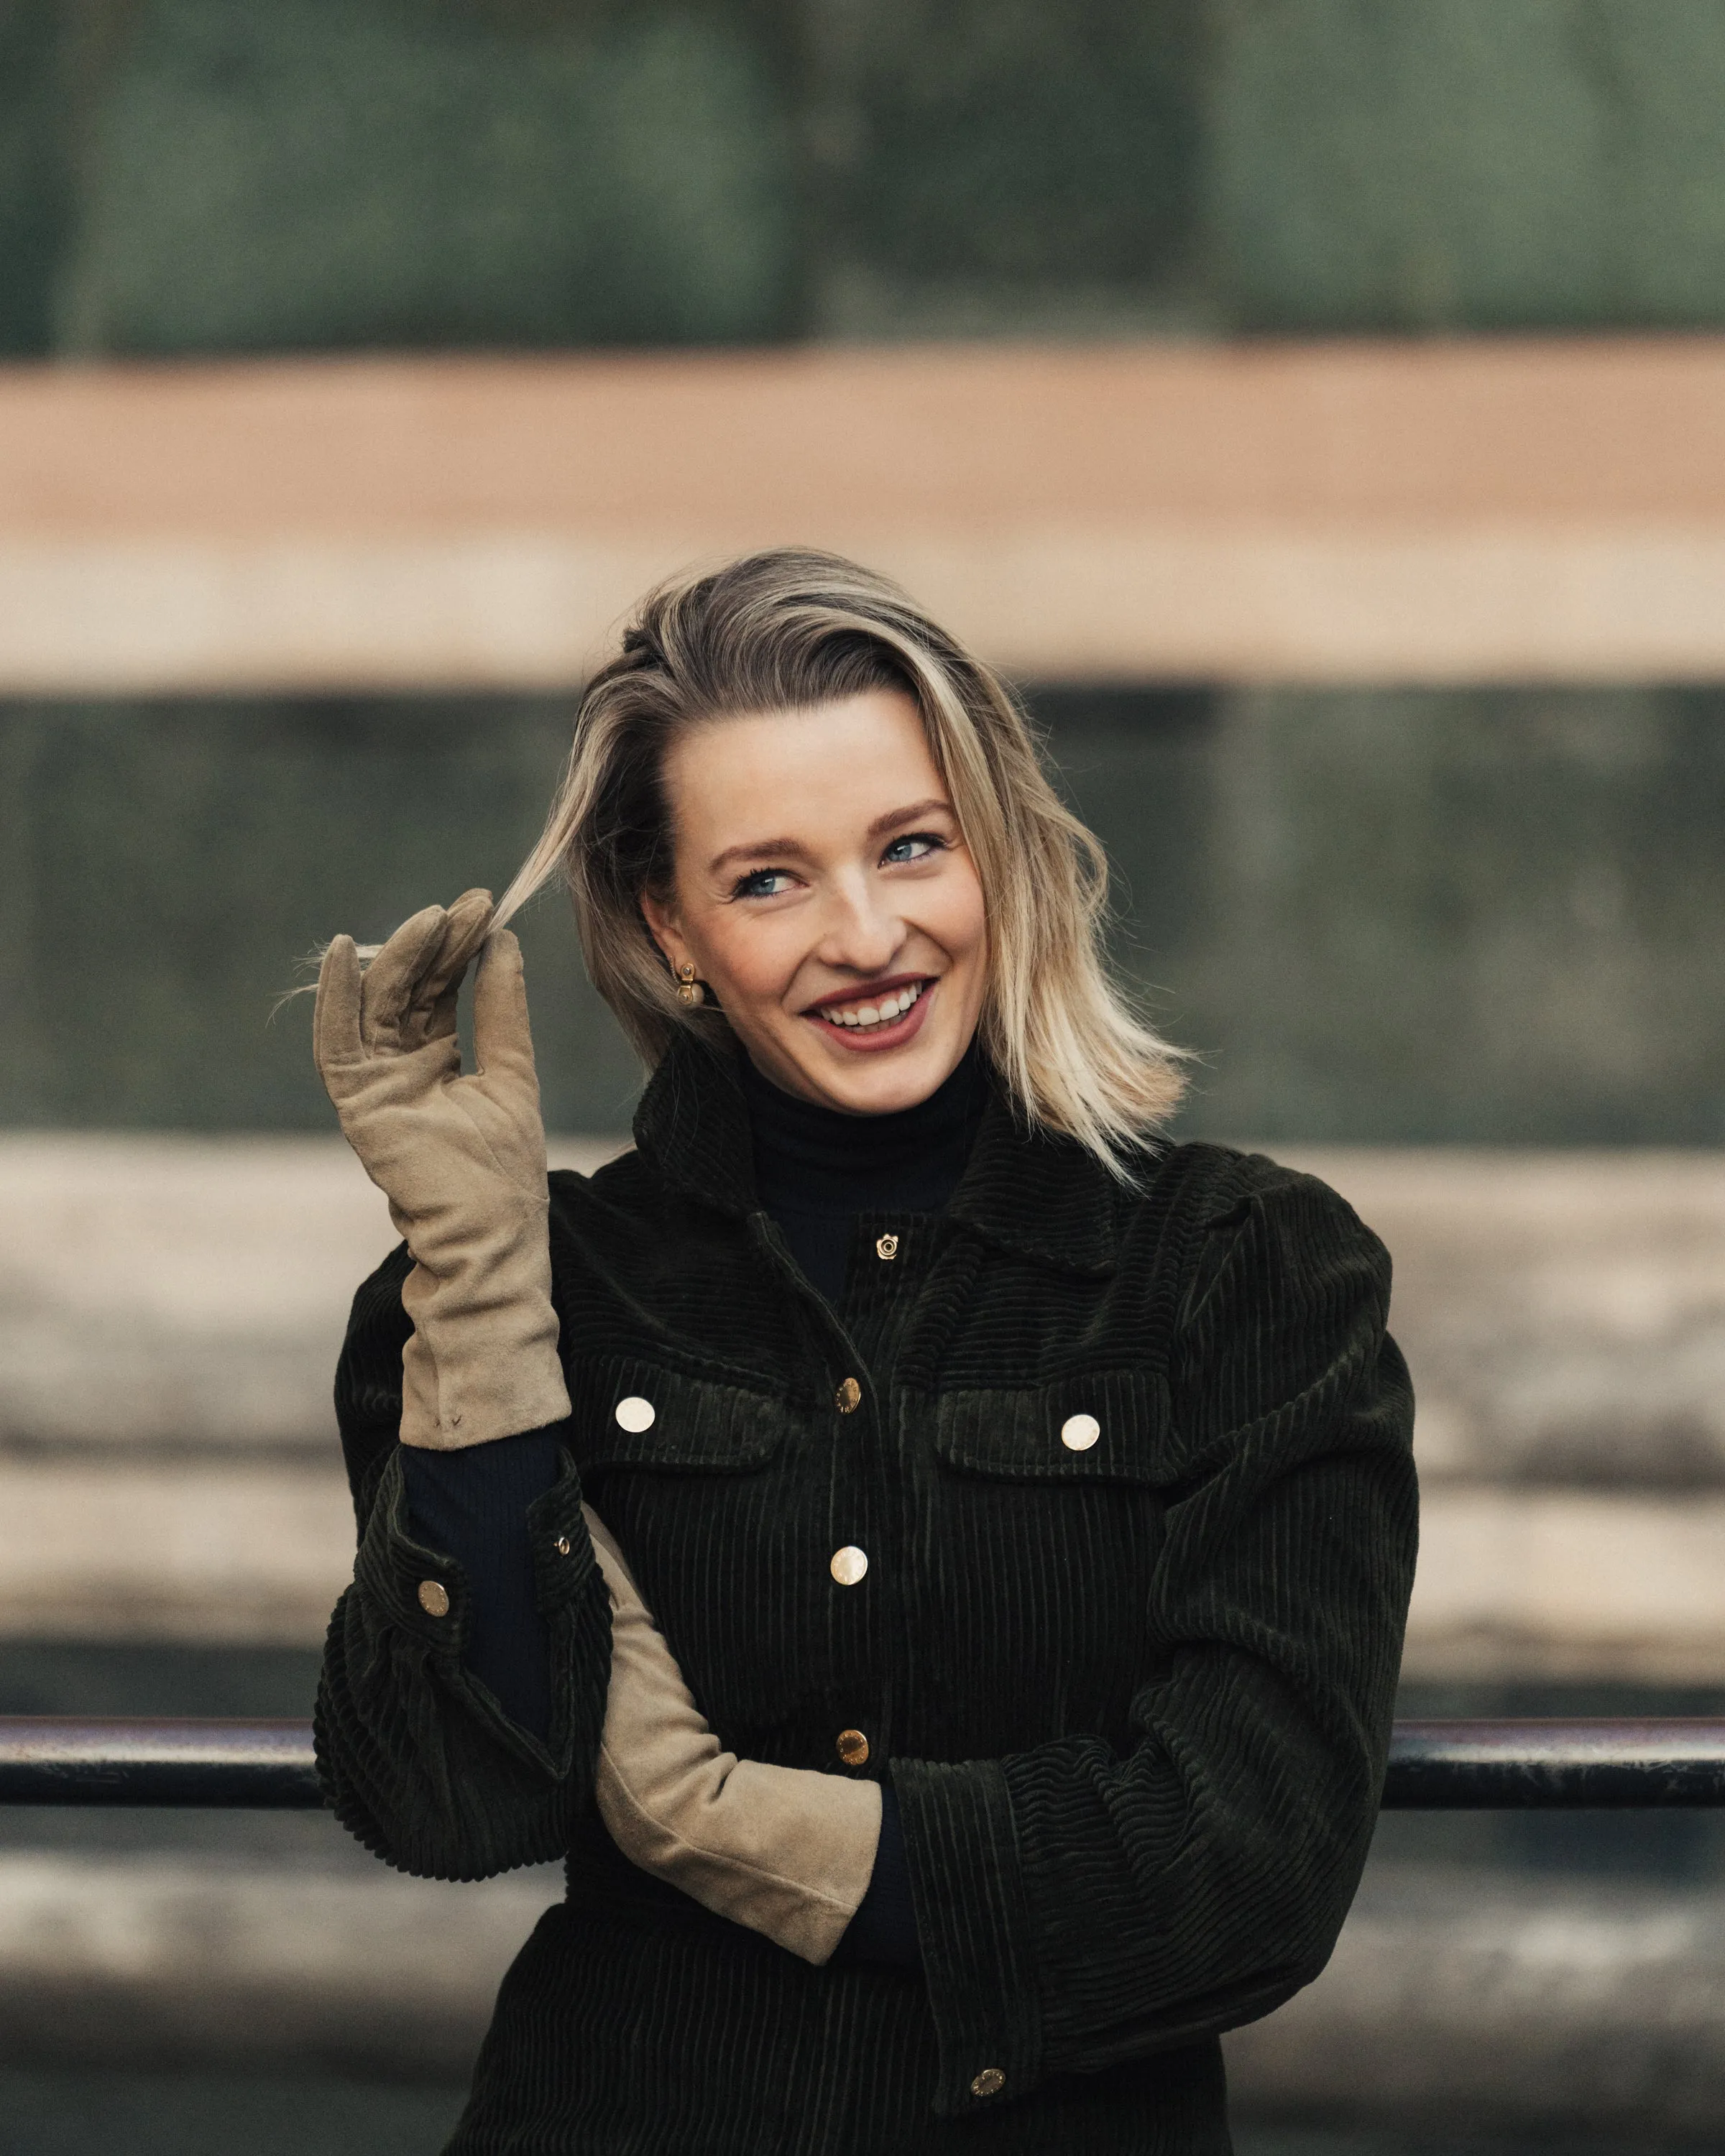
914	846
762	883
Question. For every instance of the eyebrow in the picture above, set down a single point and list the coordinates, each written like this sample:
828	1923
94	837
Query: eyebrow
894	817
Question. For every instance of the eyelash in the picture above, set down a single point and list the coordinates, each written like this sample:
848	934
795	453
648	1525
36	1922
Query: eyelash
932	839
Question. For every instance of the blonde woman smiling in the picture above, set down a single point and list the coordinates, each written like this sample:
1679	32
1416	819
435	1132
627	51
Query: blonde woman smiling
928	1554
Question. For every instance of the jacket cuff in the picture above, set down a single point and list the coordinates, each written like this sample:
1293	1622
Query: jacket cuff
564	1559
425	1591
972	1920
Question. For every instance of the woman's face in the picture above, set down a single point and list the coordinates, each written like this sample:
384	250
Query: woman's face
825	894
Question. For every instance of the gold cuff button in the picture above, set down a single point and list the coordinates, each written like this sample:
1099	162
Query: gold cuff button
562	1545
849	1396
1078	1433
849	1564
887	1248
433	1598
635	1414
988	2083
853	1748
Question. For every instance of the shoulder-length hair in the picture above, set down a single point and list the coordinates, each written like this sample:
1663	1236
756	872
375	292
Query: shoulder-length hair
790	628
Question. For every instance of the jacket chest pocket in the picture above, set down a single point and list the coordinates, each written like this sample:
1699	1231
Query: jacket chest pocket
1045	1520
691	1477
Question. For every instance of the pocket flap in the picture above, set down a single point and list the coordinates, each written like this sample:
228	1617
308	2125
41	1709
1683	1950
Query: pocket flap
637	1415
1100	1427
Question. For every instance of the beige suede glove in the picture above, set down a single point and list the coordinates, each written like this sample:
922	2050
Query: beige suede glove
783	1850
461	1160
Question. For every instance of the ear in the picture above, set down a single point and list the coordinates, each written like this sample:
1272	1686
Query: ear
665	928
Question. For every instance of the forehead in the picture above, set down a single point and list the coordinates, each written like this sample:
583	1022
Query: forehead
826	765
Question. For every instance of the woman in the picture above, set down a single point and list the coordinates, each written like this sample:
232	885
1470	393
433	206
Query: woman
970	1444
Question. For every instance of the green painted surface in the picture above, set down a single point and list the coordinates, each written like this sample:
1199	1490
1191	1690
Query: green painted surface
1467	164
316	173
210	175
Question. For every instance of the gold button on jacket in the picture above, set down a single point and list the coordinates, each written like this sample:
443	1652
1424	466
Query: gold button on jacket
853	1748
988	2083
886	1247
849	1396
433	1598
849	1564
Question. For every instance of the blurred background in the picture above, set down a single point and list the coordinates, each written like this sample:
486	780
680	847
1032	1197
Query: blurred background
1316	406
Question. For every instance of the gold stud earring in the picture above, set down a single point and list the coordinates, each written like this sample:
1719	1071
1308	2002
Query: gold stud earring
689	991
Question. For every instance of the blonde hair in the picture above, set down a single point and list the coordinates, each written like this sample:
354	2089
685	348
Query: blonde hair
790	628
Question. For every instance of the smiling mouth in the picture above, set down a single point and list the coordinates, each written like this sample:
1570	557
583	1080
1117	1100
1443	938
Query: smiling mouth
870	1015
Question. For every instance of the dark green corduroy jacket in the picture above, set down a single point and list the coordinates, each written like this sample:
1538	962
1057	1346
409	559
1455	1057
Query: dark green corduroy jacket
1134	1695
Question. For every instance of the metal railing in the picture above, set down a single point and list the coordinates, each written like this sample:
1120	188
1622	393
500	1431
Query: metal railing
1434	1766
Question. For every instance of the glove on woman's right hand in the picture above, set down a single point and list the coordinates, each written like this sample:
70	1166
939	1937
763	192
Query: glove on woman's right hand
461	1160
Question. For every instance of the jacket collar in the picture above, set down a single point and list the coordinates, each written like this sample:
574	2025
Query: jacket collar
1033	1191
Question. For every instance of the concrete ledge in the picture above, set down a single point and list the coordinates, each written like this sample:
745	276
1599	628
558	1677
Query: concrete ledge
1501	2003
166	1291
1444	510
1497	2003
150	1959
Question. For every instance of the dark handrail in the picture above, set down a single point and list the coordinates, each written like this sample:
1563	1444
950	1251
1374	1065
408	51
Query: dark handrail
1491	1766
1434	1766
56	1759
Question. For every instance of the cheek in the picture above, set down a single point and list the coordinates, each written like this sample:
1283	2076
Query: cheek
750	955
956	918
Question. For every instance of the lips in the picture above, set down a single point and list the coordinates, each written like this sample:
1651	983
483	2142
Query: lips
888	1017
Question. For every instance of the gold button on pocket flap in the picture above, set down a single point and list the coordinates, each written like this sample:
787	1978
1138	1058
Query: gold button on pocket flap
988	2083
433	1598
627	1415
848	1397
887	1248
849	1564
562	1545
1078	1432
853	1748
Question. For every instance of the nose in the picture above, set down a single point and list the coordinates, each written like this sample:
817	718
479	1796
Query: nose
862	931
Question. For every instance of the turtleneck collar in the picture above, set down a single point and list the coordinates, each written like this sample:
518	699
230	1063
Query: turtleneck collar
1033	1190
807	1156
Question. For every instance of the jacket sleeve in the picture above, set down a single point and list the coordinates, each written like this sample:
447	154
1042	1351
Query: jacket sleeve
1081	1905
418	1757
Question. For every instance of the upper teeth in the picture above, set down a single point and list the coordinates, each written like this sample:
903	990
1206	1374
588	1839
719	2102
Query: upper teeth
882	1012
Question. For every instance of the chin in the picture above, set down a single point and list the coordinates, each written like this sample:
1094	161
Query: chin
880	1085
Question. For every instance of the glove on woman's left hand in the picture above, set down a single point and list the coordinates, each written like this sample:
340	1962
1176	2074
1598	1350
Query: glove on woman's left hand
461	1160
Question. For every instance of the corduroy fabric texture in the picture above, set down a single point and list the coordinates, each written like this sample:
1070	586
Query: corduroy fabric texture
1134	1699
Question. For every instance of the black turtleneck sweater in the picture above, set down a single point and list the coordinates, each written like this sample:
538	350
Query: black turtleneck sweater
816	1170
820	1174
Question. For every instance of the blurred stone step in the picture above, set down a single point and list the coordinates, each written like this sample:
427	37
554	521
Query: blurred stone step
1505	2004
154	1959
165	1291
1562	1313
242	1553
1497	2002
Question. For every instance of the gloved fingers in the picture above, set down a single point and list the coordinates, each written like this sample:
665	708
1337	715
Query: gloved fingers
335	1016
431	1016
393	977
502	1038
